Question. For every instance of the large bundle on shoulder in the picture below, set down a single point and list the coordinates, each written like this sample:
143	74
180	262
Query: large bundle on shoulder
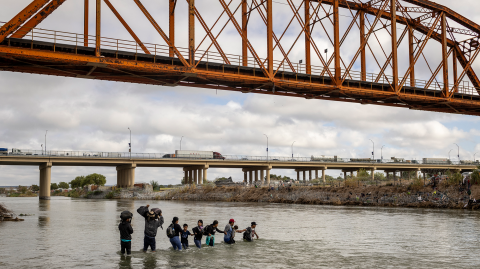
126	215
153	213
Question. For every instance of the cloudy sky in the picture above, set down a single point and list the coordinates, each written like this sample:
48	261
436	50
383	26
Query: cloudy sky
88	115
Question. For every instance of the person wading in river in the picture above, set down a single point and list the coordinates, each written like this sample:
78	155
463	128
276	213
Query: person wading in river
198	232
230	231
250	232
126	232
210	233
173	232
152	222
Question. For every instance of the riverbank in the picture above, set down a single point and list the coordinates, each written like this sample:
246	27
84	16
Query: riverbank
453	197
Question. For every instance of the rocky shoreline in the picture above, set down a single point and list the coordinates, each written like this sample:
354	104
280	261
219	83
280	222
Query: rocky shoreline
454	197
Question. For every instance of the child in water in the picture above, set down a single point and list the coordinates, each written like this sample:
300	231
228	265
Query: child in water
185	233
126	232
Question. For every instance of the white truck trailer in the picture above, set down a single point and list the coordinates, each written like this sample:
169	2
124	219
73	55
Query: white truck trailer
197	154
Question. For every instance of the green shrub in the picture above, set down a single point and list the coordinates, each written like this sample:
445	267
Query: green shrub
110	195
97	192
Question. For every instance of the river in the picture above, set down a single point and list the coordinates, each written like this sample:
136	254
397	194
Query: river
80	233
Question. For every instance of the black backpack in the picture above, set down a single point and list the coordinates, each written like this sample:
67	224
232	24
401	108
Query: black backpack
170	231
205	230
247	235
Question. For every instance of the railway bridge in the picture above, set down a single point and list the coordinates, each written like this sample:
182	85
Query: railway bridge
375	74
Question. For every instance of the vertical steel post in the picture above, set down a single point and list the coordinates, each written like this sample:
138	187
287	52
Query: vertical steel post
336	43
444	54
171	26
411	56
85	24
393	13
191	31
97	28
362	39
308	69
244	30
454	66
270	37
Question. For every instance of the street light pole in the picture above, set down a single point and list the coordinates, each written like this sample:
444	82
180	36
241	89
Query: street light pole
458	151
292	150
130	144
42	151
381	152
267	145
449	154
373	152
181	142
46	142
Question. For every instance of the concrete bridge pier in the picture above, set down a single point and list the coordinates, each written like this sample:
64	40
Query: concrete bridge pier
126	175
250	177
195	174
45	181
262	176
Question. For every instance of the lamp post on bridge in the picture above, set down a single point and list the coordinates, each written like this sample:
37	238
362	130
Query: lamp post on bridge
130	144
42	150
381	153
292	150
46	142
181	142
267	145
458	148
449	155
373	151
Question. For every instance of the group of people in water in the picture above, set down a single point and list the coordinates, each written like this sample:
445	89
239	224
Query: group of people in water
178	236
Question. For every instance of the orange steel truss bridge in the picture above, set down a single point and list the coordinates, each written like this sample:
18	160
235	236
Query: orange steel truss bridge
267	66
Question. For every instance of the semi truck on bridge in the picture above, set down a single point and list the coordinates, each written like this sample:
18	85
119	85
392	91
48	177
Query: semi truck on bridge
197	154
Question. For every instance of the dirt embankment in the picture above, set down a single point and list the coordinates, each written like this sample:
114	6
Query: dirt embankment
401	196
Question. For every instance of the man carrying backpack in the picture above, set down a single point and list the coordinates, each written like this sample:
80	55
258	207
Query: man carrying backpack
209	231
250	232
152	222
173	232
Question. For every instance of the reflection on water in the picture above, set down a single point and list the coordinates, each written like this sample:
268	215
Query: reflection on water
83	233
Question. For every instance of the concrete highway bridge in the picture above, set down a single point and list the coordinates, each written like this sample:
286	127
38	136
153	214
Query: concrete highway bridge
256	169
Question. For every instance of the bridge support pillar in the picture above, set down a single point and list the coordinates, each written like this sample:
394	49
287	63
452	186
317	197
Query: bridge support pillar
298	176
304	176
200	176
204	175
262	176
316	174
256	177
195	176
344	175
126	175
250	176
268	176
45	181
323	175
309	175
245	177
373	175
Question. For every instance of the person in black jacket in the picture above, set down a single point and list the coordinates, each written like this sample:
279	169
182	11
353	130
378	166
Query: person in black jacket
198	232
175	240
125	236
210	232
152	222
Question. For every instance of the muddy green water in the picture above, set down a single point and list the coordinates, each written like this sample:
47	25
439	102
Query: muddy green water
78	233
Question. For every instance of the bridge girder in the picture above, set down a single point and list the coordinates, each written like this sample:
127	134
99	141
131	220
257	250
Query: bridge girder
264	75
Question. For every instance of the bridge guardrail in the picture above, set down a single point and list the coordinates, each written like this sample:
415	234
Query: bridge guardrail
246	158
